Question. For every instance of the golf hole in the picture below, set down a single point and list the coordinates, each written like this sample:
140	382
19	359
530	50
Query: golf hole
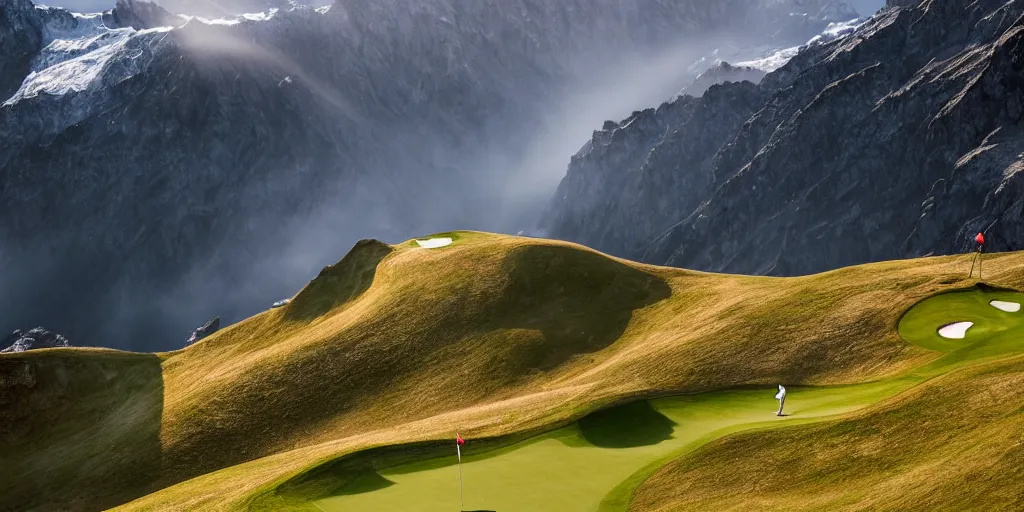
955	331
1009	307
434	243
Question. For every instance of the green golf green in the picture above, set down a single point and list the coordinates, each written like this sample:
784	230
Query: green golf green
993	331
595	463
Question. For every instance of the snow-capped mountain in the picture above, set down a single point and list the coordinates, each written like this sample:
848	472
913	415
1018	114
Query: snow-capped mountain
893	137
208	8
159	168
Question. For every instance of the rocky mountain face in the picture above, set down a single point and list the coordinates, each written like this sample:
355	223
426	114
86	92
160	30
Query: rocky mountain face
720	73
157	169
21	39
900	139
36	338
210	327
633	174
137	15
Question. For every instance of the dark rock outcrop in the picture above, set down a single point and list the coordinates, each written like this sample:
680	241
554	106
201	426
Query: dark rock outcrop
204	330
899	140
659	163
21	38
139	15
36	338
721	73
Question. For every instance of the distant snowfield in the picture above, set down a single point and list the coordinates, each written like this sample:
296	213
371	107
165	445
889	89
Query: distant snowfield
956	331
235	20
77	54
773	61
80	53
779	58
434	243
1009	307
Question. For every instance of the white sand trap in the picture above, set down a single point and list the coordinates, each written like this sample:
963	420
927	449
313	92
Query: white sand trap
434	243
955	331
1002	305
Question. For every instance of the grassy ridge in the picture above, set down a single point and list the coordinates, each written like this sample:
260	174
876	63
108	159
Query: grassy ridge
439	330
953	443
542	474
493	335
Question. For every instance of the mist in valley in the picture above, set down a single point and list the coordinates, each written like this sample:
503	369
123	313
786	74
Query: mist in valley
506	190
493	167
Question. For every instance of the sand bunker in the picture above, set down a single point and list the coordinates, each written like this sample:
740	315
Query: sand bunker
434	243
1009	307
955	331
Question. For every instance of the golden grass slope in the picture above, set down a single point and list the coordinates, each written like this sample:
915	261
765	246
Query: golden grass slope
493	335
79	429
955	443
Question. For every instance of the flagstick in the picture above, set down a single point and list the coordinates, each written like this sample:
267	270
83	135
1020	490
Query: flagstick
462	502
980	257
980	240
458	451
976	260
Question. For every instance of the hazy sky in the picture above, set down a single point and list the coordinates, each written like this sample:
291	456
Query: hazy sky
864	7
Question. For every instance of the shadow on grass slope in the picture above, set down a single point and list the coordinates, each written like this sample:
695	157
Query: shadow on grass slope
79	428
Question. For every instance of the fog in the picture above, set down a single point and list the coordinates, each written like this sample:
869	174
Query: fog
499	181
506	192
509	188
208	8
226	7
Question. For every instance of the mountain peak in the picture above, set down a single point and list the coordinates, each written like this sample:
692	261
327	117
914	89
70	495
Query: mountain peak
141	14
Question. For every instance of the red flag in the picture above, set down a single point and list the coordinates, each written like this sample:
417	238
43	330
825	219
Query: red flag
980	239
459	440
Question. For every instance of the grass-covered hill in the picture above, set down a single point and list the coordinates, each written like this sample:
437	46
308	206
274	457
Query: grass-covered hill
954	443
545	355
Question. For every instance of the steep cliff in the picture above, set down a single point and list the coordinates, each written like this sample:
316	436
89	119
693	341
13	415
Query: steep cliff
898	139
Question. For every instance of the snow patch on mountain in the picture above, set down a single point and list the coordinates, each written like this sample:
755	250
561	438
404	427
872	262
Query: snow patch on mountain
837	30
770	58
773	61
235	20
778	58
81	52
69	35
78	64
